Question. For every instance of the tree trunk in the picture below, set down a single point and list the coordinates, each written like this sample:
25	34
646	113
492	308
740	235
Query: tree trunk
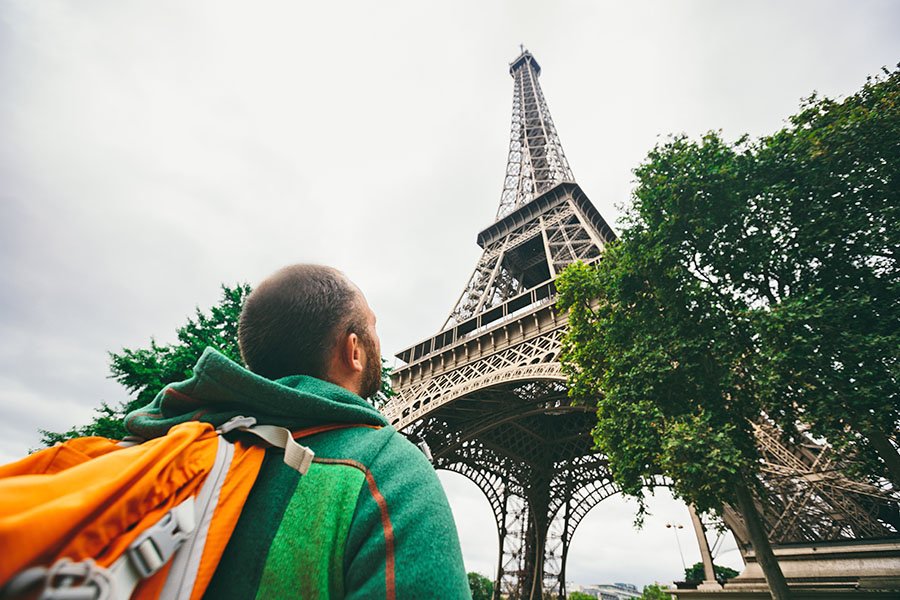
888	454
761	547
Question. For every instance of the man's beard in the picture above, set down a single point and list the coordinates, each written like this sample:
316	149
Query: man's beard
371	381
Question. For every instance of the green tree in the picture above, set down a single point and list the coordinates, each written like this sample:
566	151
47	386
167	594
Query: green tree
145	371
658	353
481	587
827	295
385	392
580	596
695	573
654	592
754	278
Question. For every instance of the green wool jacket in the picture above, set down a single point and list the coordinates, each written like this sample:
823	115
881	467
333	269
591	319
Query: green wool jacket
368	520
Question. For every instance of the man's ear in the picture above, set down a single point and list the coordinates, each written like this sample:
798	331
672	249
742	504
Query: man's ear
351	353
346	367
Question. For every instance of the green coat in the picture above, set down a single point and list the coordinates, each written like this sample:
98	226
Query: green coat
369	519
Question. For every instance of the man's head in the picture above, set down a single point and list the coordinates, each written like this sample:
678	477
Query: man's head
311	320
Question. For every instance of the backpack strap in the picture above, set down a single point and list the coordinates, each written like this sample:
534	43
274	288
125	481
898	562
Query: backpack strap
296	456
153	549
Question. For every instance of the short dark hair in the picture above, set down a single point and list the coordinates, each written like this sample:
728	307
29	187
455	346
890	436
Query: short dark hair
290	323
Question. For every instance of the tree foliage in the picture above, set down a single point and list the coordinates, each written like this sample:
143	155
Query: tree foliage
826	299
580	596
696	573
385	392
145	371
481	587
654	592
751	278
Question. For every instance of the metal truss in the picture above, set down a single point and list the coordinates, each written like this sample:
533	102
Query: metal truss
529	451
809	498
531	253
531	360
487	394
536	160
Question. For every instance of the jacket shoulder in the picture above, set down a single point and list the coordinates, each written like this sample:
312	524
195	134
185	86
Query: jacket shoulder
403	541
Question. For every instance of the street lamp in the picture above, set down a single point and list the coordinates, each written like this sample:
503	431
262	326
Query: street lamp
675	527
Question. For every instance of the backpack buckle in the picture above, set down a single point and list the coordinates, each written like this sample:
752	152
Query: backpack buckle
64	580
151	550
233	423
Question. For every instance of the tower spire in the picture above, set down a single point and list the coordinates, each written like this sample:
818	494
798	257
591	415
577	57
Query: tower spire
536	160
544	222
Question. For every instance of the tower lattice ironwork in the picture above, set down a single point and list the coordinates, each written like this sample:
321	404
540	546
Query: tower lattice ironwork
487	395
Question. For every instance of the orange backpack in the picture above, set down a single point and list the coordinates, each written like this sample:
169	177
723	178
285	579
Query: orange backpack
92	519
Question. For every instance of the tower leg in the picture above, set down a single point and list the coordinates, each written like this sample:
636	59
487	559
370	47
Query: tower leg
532	580
514	548
566	536
502	531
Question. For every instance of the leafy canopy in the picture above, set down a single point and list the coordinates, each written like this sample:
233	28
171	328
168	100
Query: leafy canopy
754	277
696	573
654	592
481	587
826	294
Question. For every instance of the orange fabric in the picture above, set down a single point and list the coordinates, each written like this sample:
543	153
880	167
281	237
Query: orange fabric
60	457
245	466
96	508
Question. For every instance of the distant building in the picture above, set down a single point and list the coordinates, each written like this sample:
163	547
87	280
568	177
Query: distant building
608	591
617	591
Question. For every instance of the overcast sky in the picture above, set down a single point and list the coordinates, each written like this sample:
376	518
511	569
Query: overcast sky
151	151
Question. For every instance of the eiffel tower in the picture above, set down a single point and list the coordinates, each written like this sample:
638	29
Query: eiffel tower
487	395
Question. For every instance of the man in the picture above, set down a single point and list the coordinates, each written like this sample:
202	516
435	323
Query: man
369	519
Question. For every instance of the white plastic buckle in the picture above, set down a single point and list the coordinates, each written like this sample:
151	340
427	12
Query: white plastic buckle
155	546
68	580
233	423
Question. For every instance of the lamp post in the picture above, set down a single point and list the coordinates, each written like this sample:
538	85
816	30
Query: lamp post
709	570
675	527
